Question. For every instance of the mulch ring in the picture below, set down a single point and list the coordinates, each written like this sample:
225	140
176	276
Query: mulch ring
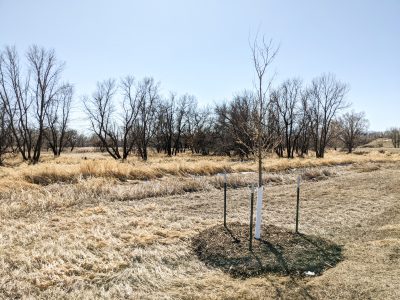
279	251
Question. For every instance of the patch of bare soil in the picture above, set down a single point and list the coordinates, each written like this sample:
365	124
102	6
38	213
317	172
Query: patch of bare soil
279	251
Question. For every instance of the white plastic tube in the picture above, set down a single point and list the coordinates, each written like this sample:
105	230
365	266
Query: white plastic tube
259	212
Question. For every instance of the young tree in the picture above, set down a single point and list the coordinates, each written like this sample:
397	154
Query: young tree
352	126
263	53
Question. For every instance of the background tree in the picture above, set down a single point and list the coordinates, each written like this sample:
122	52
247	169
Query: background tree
165	125
182	114
394	134
17	101
5	134
287	99
305	115
115	131
327	96
223	130
237	124
46	72
147	115
130	106
27	96
352	127
100	110
202	138
75	139
57	119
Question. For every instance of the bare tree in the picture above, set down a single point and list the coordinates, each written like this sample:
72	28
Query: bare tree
130	105
287	99
223	130
127	123
165	125
394	134
17	101
46	75
145	128
27	96
303	143
73	139
202	139
353	126
5	133
263	53
57	118
239	126
182	111
100	110
327	99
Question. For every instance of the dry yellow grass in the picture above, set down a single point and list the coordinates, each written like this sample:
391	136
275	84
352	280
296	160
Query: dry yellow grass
86	229
71	168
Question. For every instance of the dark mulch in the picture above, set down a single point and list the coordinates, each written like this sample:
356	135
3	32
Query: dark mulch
279	251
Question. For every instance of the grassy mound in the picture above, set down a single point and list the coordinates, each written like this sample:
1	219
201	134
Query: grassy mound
279	251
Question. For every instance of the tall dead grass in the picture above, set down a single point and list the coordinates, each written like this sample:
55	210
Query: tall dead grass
72	168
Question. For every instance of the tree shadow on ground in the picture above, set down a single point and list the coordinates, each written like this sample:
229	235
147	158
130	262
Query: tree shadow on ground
279	251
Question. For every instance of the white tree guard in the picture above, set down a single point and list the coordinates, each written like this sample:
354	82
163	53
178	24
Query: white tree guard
259	212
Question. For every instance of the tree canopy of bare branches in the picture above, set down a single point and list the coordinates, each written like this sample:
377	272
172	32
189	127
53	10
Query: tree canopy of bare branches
352	127
287	99
30	95
5	134
57	118
263	54
394	134
327	98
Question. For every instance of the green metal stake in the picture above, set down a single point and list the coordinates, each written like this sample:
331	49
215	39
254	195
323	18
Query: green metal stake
298	204
251	218
225	199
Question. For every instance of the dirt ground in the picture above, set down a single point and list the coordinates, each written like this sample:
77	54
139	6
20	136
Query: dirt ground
91	239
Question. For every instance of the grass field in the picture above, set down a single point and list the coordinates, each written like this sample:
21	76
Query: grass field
83	226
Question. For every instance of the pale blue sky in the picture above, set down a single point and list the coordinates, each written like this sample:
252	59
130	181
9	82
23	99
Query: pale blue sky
201	47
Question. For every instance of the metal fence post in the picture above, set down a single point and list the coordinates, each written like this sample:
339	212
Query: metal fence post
225	198
298	204
251	218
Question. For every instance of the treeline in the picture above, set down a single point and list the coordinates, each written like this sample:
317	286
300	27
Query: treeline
131	116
